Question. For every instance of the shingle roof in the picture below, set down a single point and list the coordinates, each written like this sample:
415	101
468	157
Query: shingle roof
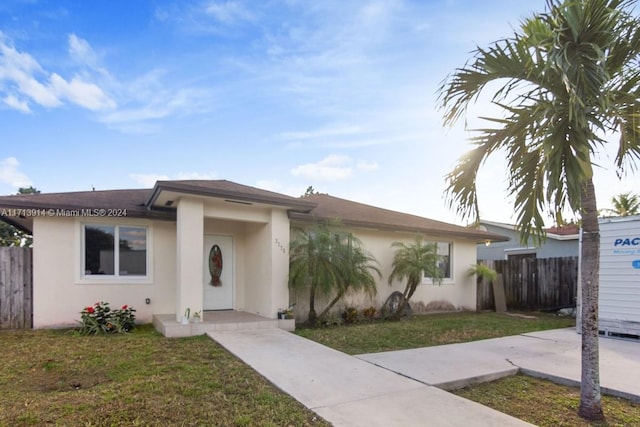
228	189
140	204
52	204
356	214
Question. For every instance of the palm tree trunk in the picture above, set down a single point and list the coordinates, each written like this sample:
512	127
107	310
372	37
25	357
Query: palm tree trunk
408	293
590	395
312	318
331	304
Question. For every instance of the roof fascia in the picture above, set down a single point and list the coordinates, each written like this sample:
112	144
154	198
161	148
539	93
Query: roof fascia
301	206
476	237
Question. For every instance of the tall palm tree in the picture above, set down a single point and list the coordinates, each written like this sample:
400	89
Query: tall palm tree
568	79
328	262
624	205
413	262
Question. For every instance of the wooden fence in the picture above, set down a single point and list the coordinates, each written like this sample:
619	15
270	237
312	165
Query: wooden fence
533	284
16	291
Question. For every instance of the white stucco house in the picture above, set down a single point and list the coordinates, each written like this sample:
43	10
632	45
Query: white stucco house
209	246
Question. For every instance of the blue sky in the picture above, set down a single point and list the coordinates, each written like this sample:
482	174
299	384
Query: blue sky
281	95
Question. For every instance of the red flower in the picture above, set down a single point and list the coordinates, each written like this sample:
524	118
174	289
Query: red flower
124	307
90	310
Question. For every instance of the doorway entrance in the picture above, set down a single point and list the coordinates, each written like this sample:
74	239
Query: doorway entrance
218	272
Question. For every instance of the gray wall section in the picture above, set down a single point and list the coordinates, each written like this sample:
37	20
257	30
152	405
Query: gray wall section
552	248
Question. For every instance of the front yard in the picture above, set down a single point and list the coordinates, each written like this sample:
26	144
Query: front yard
144	379
138	379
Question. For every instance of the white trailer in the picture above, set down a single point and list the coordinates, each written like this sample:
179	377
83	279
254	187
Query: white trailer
619	301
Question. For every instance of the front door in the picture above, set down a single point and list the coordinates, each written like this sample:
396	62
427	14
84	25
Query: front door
218	272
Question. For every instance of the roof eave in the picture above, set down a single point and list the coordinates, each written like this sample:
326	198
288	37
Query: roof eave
299	206
476	237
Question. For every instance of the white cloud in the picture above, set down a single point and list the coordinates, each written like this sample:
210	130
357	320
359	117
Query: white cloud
82	93
19	71
81	51
332	168
229	12
10	173
27	82
17	104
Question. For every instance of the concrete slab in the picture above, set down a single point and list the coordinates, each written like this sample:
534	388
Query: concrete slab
619	363
347	391
549	354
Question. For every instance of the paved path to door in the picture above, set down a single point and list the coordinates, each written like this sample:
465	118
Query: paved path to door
348	391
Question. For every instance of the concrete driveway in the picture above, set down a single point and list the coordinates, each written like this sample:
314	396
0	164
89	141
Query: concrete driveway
405	388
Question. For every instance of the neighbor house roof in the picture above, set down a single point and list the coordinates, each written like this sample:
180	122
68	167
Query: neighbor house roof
565	232
361	215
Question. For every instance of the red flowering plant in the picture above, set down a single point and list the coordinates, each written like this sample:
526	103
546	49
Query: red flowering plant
100	318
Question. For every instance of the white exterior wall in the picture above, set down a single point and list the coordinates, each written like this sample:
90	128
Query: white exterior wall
279	250
190	244
60	293
460	290
619	298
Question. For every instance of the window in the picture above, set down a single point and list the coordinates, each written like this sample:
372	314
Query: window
444	250
444	263
102	256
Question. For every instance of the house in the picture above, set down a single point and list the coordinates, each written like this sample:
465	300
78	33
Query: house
202	245
560	242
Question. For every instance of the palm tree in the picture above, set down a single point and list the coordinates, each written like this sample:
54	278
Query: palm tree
327	262
568	78
357	274
414	262
624	205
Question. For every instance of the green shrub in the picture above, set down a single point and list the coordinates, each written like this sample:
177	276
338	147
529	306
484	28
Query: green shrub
350	315
369	312
99	318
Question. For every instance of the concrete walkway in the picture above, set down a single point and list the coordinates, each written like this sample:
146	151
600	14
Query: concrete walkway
347	391
553	354
366	390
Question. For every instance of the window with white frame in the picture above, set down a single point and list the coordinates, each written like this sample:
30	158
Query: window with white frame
444	251
115	250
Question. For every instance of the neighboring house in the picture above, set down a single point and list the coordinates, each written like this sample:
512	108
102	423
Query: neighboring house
560	242
203	245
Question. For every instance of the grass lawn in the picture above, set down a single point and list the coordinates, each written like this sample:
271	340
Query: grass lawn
544	403
429	330
137	379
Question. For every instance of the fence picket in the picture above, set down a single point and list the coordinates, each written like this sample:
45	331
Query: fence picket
533	284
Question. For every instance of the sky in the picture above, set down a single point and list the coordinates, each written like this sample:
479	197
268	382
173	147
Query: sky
341	95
